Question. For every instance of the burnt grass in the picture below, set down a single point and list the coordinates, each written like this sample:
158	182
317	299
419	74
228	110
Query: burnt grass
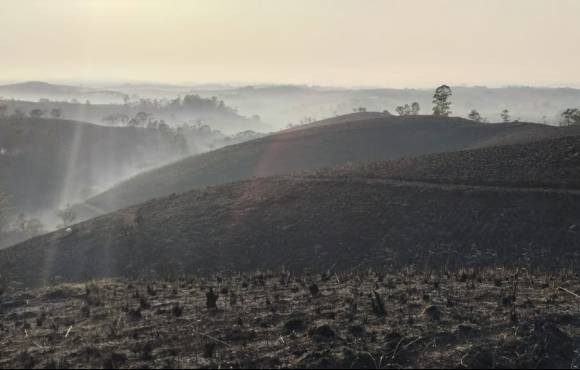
477	318
511	205
309	223
551	163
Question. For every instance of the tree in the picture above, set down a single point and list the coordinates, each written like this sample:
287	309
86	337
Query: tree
570	116
403	110
67	216
441	103
3	110
116	119
505	116
140	119
415	108
56	113
36	113
408	110
475	116
29	227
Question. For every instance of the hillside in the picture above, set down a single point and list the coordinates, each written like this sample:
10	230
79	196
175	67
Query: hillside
191	110
535	133
102	106
322	222
383	138
45	163
550	163
345	118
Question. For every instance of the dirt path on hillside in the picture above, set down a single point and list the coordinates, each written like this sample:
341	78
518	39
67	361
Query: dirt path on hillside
439	186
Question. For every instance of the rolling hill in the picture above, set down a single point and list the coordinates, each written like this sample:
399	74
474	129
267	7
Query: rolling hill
428	214
207	111
378	138
345	118
550	163
36	90
45	163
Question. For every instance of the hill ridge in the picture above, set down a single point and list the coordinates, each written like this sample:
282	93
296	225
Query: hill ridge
382	138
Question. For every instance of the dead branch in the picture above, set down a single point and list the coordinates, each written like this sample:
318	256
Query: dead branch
212	338
569	292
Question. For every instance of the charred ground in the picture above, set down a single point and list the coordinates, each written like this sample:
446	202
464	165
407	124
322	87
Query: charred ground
488	318
551	163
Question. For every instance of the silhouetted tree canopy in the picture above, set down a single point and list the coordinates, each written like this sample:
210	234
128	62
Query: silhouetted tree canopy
475	116
29	227
67	216
415	108
571	116
403	110
441	103
408	110
505	115
56	113
36	113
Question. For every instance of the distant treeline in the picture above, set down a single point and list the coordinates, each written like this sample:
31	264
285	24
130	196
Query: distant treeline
190	108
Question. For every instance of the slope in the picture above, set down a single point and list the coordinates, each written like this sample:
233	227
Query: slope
381	138
45	162
321	222
550	163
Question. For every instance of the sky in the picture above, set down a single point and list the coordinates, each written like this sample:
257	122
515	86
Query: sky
389	43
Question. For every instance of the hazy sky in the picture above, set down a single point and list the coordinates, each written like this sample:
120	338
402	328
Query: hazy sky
327	42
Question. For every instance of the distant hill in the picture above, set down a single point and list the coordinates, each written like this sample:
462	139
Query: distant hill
41	88
36	90
281	105
380	138
190	109
45	163
355	218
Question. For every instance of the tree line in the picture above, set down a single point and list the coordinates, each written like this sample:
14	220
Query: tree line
442	108
55	113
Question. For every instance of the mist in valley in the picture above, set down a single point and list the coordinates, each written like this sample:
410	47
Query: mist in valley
95	146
